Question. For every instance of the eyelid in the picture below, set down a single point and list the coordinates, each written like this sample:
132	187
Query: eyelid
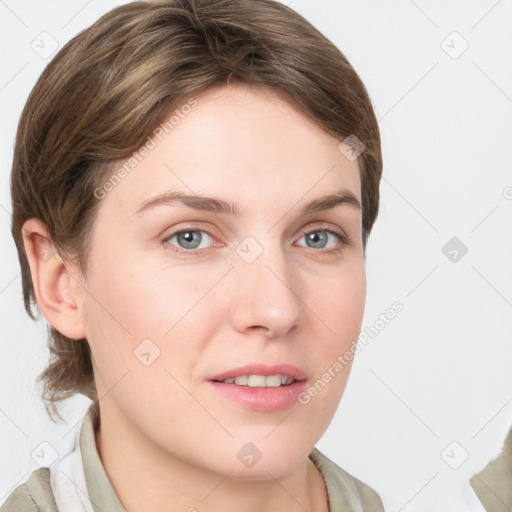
319	226
190	252
322	226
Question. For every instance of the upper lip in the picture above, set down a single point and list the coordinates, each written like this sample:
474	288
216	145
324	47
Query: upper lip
261	369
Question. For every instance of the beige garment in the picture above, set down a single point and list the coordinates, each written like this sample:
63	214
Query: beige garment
346	493
493	485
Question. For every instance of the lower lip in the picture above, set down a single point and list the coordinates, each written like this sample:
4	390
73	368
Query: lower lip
262	399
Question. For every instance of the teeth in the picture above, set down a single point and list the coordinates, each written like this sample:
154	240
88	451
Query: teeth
256	381
260	381
272	381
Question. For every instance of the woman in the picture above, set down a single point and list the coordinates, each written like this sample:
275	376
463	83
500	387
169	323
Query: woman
193	188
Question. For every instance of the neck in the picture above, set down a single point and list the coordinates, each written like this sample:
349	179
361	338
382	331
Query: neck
146	479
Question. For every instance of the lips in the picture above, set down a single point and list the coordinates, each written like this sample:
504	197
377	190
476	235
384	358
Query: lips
287	370
268	398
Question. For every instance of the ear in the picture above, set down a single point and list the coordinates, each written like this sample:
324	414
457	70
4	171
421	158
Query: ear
56	286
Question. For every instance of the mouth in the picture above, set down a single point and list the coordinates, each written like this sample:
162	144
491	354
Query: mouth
260	387
260	381
258	375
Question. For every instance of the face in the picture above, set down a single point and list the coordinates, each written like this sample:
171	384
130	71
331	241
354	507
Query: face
180	295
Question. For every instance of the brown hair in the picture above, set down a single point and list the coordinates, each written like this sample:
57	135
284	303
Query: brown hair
108	88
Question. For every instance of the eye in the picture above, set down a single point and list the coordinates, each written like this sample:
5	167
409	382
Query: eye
319	239
188	240
191	241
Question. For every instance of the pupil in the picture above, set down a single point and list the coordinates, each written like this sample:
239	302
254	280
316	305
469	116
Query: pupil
189	237
317	237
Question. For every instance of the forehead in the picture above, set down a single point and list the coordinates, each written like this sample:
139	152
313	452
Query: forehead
237	142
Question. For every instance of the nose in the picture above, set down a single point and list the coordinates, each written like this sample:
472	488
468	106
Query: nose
266	293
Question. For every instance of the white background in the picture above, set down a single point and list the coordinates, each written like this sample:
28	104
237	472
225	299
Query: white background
440	371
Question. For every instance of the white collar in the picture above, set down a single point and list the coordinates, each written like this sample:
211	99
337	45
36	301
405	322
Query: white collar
67	480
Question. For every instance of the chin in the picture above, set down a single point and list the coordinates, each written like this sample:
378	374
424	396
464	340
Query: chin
264	470
261	458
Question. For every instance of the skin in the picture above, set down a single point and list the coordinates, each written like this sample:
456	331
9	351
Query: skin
167	440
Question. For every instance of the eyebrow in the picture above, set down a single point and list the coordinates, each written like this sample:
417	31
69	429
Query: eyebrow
214	205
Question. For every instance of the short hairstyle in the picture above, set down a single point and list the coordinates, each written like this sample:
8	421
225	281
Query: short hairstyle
110	86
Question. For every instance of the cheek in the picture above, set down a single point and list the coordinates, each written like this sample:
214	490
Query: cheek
339	306
143	300
339	302
132	309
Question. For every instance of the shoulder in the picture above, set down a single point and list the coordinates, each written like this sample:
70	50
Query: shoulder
493	485
35	495
346	492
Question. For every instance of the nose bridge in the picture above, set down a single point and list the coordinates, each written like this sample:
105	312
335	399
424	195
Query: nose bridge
267	285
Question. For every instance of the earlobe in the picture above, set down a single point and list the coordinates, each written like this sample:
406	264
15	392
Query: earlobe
55	285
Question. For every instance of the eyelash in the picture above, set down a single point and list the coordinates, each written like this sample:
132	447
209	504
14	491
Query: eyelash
343	239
